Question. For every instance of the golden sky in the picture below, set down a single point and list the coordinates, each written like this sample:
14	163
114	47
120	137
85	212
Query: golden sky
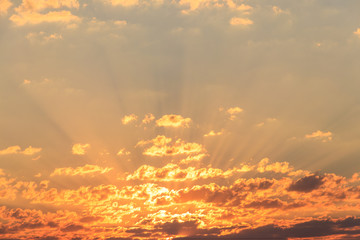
182	119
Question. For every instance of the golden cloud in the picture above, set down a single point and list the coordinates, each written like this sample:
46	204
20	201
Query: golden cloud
80	149
81	171
173	120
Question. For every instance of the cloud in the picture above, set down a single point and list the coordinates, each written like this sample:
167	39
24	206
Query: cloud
357	32
237	21
307	184
17	150
173	120
4	6
148	118
39	5
320	135
172	172
123	152
233	112
80	171
161	148
124	3
277	10
10	150
212	133
42	37
129	118
32	18
80	149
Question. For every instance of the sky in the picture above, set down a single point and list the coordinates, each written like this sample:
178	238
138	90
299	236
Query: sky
179	119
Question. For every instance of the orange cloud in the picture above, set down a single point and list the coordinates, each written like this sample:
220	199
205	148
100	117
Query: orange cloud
173	120
320	135
80	149
81	171
4	6
129	118
237	21
17	150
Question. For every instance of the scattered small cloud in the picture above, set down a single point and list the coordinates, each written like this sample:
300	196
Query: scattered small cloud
80	149
237	21
148	118
123	152
233	112
129	118
213	133
173	120
357	32
320	135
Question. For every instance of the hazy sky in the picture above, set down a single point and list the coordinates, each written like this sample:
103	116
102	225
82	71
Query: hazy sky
157	118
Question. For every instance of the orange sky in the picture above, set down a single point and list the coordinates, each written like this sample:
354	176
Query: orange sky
186	119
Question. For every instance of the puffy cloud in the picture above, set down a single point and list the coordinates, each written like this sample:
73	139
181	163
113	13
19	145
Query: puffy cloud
84	170
4	6
17	150
320	135
161	148
173	120
129	118
29	17
172	172
237	21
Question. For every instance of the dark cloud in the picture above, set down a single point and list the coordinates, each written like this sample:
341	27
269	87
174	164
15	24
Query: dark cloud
72	228
307	184
314	228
